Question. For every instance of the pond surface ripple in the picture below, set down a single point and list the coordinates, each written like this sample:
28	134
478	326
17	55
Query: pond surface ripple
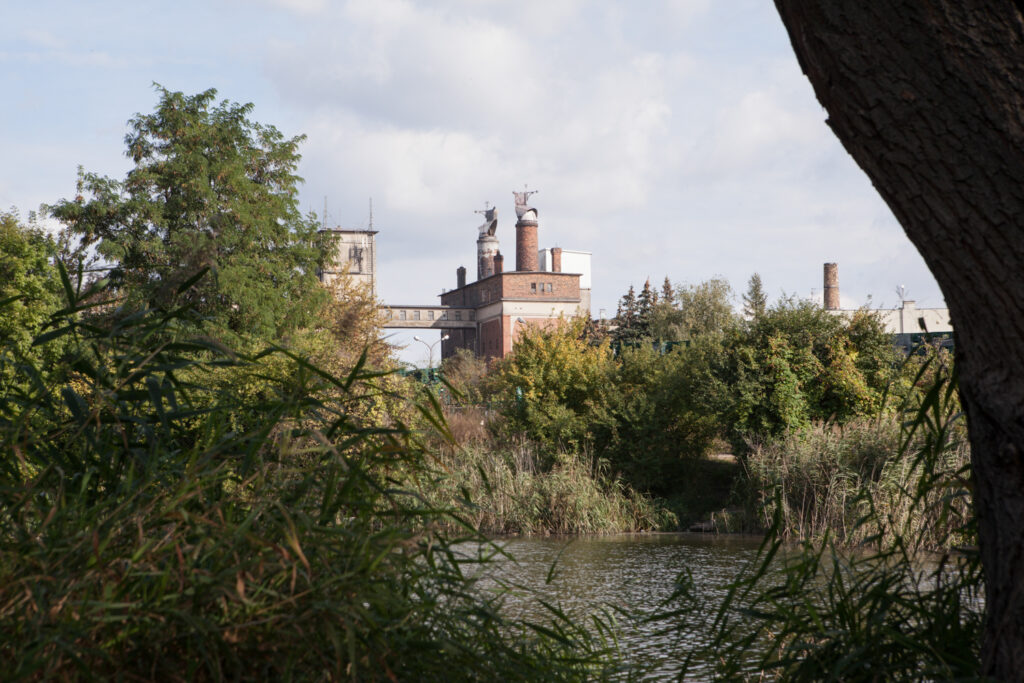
634	572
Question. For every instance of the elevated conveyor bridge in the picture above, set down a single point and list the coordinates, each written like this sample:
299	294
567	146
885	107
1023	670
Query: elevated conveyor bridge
427	317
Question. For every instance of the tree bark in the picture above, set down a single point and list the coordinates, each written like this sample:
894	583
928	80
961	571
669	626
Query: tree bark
927	96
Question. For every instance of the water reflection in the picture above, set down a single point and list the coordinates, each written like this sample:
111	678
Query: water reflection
635	572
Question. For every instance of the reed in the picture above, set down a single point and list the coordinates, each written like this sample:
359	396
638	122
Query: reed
824	480
143	537
509	487
886	610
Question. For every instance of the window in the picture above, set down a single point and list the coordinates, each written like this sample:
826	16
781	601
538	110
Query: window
458	315
401	315
548	288
415	315
533	288
430	315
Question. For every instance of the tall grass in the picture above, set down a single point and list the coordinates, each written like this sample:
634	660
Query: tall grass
142	537
508	487
886	610
504	492
826	480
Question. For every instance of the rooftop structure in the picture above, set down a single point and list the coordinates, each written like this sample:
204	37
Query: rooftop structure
540	290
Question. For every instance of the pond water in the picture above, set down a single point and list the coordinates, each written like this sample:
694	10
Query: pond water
635	572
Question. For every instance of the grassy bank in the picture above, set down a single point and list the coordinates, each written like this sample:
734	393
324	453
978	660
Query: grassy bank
510	487
827	479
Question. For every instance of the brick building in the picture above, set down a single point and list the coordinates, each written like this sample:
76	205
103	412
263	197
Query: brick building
537	292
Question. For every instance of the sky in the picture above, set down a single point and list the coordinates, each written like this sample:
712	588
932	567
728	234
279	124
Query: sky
669	138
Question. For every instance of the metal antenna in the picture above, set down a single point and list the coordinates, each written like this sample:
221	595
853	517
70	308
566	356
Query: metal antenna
371	213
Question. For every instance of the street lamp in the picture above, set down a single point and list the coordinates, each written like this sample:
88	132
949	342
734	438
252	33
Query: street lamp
430	349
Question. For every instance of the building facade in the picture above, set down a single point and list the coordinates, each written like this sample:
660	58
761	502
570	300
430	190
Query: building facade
908	324
355	255
539	292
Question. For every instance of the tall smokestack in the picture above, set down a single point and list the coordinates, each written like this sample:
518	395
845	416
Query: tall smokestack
486	248
831	287
526	242
556	260
487	244
526	232
460	276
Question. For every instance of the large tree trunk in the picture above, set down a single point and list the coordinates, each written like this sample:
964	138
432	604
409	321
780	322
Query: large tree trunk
928	98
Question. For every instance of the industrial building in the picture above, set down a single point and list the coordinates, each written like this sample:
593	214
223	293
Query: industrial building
908	324
484	316
546	285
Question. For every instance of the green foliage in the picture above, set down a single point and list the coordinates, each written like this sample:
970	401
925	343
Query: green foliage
29	290
689	312
887	611
209	189
142	536
551	385
755	301
797	364
629	327
655	419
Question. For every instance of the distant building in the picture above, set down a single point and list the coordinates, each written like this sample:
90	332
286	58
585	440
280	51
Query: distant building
356	255
546	285
908	324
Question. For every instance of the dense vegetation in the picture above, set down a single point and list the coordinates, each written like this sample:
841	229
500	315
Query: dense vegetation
679	376
211	470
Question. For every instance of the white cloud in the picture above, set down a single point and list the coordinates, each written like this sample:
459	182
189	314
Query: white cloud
301	6
675	137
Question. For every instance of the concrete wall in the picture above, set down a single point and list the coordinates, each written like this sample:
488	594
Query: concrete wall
356	254
906	320
573	261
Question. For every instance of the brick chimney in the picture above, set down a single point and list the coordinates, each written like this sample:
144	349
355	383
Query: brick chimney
460	277
556	260
499	263
831	287
526	242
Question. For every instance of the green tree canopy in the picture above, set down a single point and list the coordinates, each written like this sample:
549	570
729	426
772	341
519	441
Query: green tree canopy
209	189
755	301
30	288
705	308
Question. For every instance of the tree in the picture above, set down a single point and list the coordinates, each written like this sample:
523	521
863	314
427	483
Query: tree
553	385
627	317
755	300
209	189
30	292
645	304
705	308
668	294
926	98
